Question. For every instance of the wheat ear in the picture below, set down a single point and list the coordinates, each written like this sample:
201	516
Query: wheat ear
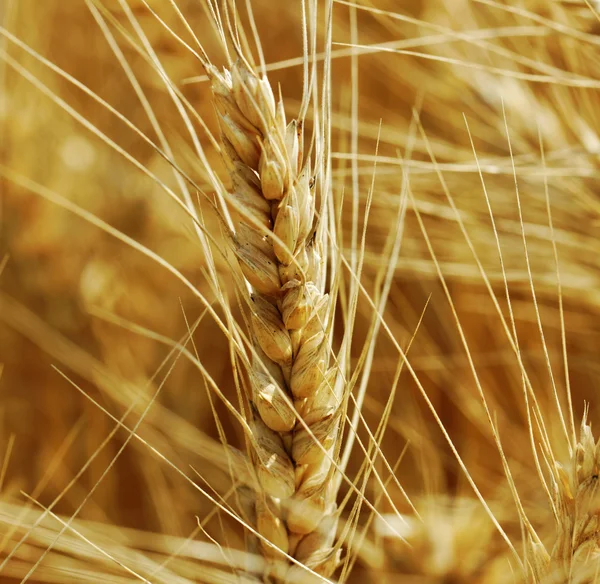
575	556
295	409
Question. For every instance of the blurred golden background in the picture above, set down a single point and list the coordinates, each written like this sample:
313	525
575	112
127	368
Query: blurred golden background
472	70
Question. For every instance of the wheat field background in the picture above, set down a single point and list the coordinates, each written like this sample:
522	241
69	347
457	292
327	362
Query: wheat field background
465	130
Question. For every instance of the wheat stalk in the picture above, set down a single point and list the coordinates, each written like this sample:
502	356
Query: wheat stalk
295	407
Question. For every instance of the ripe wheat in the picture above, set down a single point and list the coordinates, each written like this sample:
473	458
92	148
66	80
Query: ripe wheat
295	407
473	516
